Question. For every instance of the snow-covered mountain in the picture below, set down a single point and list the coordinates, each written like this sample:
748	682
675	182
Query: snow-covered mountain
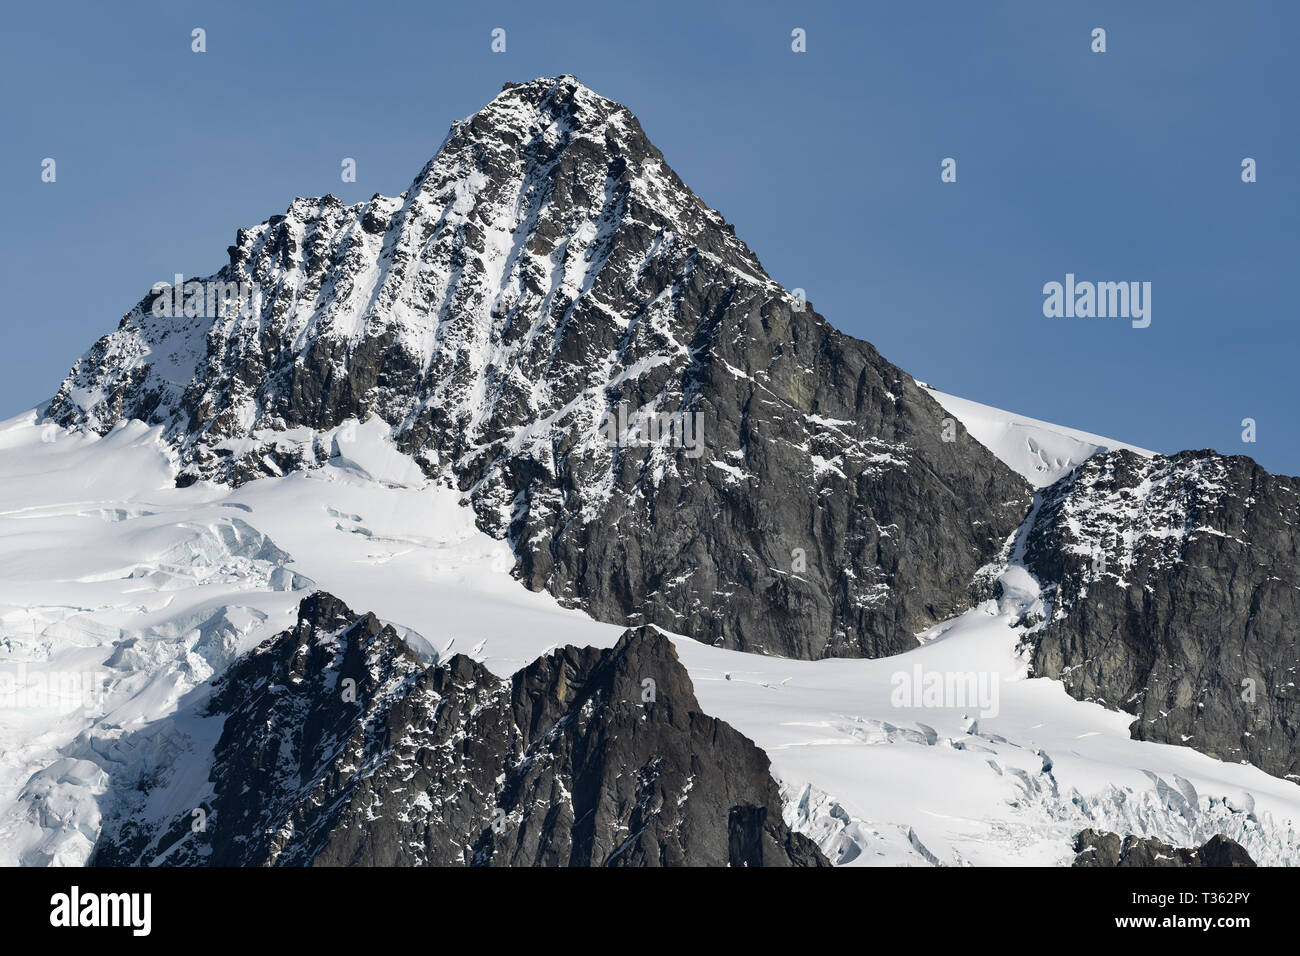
221	518
547	274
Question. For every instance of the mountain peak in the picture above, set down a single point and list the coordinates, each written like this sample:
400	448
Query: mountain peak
564	91
562	85
544	101
550	321
555	132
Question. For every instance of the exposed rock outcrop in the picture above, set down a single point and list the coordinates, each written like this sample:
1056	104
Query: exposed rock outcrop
339	748
1094	848
1174	591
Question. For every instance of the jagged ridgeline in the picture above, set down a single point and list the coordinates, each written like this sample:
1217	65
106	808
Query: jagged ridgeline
339	748
546	273
1101	849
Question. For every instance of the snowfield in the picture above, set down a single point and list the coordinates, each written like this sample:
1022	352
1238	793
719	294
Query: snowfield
128	593
1038	451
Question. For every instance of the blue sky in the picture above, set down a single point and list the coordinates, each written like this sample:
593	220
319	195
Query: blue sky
1122	166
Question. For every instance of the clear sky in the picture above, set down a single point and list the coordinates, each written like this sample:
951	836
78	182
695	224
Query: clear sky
1115	166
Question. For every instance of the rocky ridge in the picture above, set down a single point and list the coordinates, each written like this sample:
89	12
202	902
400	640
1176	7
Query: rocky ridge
1173	593
339	748
1097	849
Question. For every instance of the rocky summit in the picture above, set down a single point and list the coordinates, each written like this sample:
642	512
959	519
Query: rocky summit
339	748
546	287
1174	594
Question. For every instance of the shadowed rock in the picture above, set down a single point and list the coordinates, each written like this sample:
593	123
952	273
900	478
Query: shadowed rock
1101	849
340	749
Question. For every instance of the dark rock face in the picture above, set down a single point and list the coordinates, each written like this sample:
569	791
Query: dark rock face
340	749
546	270
1174	586
1100	849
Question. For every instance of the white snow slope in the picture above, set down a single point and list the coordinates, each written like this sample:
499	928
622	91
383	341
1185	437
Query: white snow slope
1038	451
108	570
